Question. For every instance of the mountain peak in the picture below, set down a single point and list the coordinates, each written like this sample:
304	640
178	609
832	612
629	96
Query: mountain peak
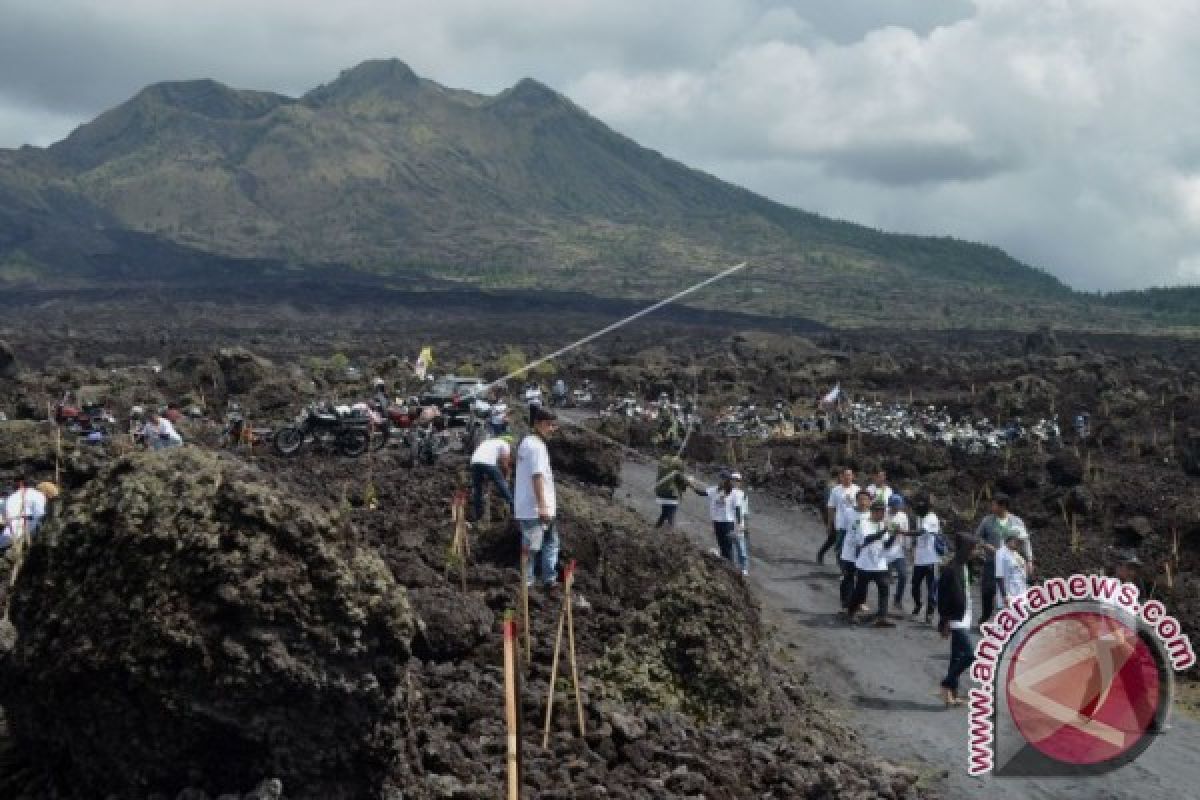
390	79
209	98
528	95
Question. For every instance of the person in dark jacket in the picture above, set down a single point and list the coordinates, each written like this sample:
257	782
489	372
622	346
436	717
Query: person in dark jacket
954	611
669	486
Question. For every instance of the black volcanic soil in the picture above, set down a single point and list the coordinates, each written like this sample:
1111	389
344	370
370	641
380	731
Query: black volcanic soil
680	692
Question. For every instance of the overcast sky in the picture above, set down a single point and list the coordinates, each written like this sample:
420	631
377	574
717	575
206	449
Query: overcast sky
1065	131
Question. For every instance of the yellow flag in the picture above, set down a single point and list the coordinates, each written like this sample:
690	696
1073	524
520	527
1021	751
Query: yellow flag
424	360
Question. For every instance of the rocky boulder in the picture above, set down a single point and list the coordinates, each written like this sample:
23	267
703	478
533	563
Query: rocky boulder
185	623
585	455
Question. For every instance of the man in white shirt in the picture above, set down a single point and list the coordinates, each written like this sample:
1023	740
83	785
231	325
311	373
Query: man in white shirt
491	461
22	512
723	511
533	398
848	550
160	433
534	504
879	488
839	513
897	555
873	540
1011	578
925	557
741	552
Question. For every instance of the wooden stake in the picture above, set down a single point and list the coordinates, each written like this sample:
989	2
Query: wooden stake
510	709
567	586
460	549
562	619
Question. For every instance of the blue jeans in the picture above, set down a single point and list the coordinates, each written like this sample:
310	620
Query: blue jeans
480	475
741	555
546	553
961	656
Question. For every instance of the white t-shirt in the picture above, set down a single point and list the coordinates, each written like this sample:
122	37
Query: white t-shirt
741	502
925	553
532	459
874	490
720	505
1010	572
164	430
490	451
22	508
533	396
898	521
841	500
853	537
872	557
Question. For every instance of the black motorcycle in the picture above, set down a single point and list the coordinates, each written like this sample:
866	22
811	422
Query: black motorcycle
324	427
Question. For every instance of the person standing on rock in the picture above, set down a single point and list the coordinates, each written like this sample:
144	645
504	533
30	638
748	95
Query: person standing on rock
723	512
669	486
954	615
848	549
926	556
991	535
897	555
491	461
534	503
873	539
21	514
839	512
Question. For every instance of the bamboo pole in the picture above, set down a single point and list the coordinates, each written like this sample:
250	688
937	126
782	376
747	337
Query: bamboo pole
562	619
567	586
510	709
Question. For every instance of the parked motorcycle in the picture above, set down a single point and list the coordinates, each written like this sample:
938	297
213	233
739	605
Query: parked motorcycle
326	428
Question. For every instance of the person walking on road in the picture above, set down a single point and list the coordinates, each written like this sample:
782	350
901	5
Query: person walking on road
991	535
1011	578
839	513
669	485
848	549
897	555
723	512
954	616
534	503
491	461
873	539
879	488
741	551
927	554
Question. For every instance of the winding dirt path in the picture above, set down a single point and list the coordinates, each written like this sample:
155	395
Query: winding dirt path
885	681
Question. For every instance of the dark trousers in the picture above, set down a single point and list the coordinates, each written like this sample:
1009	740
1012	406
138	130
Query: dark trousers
480	475
831	540
899	568
666	515
846	589
862	583
724	534
961	656
987	588
927	575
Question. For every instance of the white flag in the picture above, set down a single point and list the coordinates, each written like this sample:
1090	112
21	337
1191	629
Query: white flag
833	395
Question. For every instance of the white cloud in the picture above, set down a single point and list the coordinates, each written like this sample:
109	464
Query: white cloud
1062	130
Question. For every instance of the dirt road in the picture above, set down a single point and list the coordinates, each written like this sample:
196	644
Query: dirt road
885	681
